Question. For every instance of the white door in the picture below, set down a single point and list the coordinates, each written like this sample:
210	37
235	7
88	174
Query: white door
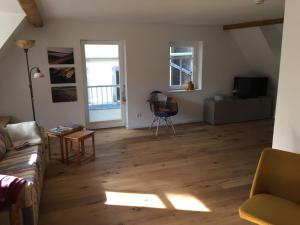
105	94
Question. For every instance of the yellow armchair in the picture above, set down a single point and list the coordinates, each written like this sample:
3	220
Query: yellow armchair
275	193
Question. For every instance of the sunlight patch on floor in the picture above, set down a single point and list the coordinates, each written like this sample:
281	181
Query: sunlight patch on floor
187	202
134	199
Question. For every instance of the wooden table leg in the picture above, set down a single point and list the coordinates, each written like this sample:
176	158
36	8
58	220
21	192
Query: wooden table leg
61	149
67	151
49	148
94	150
79	154
82	147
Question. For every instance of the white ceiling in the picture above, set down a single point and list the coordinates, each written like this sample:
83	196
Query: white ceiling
161	11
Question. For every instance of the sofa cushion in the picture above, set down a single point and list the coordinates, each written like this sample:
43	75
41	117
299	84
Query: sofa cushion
5	142
2	148
27	164
268	209
4	134
20	163
26	133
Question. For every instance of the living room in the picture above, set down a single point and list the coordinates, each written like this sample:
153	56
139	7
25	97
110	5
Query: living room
229	40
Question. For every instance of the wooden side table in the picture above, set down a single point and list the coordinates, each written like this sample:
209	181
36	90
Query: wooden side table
61	138
79	137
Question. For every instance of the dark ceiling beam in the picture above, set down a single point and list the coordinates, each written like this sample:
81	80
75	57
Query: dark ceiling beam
32	12
252	24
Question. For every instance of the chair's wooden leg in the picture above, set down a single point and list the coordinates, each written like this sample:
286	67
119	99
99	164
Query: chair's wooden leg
170	121
157	126
94	149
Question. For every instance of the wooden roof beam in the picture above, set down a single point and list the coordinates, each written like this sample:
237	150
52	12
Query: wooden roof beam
32	12
253	24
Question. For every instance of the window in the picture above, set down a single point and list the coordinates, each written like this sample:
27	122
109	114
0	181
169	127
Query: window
183	57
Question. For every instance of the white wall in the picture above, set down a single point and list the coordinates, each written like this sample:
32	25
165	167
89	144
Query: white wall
287	118
147	48
261	47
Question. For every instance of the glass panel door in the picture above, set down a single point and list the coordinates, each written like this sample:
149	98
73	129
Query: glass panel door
104	83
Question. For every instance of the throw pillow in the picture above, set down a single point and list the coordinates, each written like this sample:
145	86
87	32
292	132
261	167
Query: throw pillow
23	134
2	148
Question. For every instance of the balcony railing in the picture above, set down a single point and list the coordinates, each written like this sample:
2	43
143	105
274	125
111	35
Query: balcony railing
104	97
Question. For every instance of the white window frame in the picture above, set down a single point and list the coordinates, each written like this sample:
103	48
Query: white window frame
197	50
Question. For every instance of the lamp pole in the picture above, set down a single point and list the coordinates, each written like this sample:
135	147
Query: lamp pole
26	45
30	83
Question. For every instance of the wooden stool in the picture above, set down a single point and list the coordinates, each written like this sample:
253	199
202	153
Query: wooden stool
79	137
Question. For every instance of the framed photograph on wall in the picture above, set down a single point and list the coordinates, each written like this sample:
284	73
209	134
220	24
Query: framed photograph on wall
58	56
62	75
64	94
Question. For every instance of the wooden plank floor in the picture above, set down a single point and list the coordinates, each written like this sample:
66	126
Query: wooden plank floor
213	165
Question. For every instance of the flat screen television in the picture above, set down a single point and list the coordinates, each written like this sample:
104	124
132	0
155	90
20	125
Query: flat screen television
250	87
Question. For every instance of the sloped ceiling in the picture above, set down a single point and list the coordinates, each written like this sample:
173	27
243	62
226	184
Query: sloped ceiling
196	12
11	6
11	16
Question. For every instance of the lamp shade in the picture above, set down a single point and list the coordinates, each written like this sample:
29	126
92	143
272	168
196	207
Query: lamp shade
38	74
25	44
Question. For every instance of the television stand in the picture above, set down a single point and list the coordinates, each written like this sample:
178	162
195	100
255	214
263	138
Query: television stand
233	110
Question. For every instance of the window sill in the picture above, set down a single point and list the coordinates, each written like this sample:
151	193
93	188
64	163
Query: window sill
182	90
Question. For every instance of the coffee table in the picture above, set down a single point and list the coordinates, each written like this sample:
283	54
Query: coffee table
60	136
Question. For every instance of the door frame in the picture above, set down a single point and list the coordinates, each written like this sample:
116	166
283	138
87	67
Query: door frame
123	93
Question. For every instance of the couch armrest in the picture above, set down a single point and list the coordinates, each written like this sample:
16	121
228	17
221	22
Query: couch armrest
12	215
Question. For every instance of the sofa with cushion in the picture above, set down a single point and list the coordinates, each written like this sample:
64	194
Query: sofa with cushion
25	157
